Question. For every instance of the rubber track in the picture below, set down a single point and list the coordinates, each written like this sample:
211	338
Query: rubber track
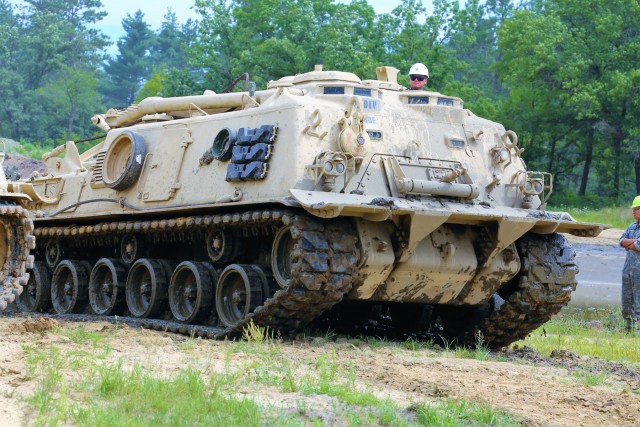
324	264
13	275
544	286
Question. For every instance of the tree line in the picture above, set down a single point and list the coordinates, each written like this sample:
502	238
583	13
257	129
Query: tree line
563	74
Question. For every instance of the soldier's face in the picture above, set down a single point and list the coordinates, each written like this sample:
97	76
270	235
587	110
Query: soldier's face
418	82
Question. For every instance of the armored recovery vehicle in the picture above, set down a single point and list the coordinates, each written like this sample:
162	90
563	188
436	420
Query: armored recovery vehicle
323	193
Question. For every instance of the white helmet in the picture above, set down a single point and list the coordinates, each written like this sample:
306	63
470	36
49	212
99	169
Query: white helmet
419	69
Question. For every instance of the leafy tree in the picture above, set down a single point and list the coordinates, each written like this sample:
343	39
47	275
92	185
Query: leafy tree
274	38
171	43
350	40
69	53
132	66
573	75
11	80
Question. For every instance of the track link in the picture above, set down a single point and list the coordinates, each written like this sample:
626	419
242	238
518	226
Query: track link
541	289
16	226
324	263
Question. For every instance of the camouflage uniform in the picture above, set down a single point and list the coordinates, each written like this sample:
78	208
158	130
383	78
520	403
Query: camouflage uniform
631	279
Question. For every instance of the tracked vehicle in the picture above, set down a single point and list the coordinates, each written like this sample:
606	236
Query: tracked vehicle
322	194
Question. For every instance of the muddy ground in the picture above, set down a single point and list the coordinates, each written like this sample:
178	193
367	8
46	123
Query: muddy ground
542	389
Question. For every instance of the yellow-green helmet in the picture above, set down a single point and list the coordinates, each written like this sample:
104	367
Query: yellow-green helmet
636	202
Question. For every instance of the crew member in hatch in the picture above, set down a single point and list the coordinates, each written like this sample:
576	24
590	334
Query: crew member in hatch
418	76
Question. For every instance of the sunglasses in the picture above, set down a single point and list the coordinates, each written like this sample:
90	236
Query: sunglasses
419	78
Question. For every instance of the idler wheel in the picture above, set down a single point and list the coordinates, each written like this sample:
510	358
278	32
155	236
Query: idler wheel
69	286
222	245
53	253
131	247
146	288
107	286
239	292
191	291
281	256
36	295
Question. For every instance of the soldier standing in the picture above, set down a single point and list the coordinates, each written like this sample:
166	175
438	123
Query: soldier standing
631	271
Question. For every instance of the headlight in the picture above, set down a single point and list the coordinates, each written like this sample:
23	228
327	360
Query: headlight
533	187
334	167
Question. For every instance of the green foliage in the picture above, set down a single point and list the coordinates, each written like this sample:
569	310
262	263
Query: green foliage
128	70
616	216
169	50
569	199
32	150
570	71
153	87
47	83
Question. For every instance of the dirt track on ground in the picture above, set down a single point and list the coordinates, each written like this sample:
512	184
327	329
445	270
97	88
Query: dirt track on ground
542	390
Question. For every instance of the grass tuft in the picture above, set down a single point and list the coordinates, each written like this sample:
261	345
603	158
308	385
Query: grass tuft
463	412
587	332
255	333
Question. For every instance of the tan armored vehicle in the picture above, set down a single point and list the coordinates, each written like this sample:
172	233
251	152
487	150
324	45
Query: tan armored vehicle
321	192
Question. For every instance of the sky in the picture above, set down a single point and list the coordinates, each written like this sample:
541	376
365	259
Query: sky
154	11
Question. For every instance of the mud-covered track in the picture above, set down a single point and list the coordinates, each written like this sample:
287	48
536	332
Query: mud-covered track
322	263
15	230
541	289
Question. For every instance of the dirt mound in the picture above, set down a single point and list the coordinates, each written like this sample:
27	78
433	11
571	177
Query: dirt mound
569	360
38	325
17	166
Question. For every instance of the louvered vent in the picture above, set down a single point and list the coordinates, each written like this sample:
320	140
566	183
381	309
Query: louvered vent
97	171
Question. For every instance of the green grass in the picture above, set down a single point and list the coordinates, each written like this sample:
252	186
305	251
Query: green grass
587	332
589	378
100	394
463	413
78	382
617	217
80	336
140	398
